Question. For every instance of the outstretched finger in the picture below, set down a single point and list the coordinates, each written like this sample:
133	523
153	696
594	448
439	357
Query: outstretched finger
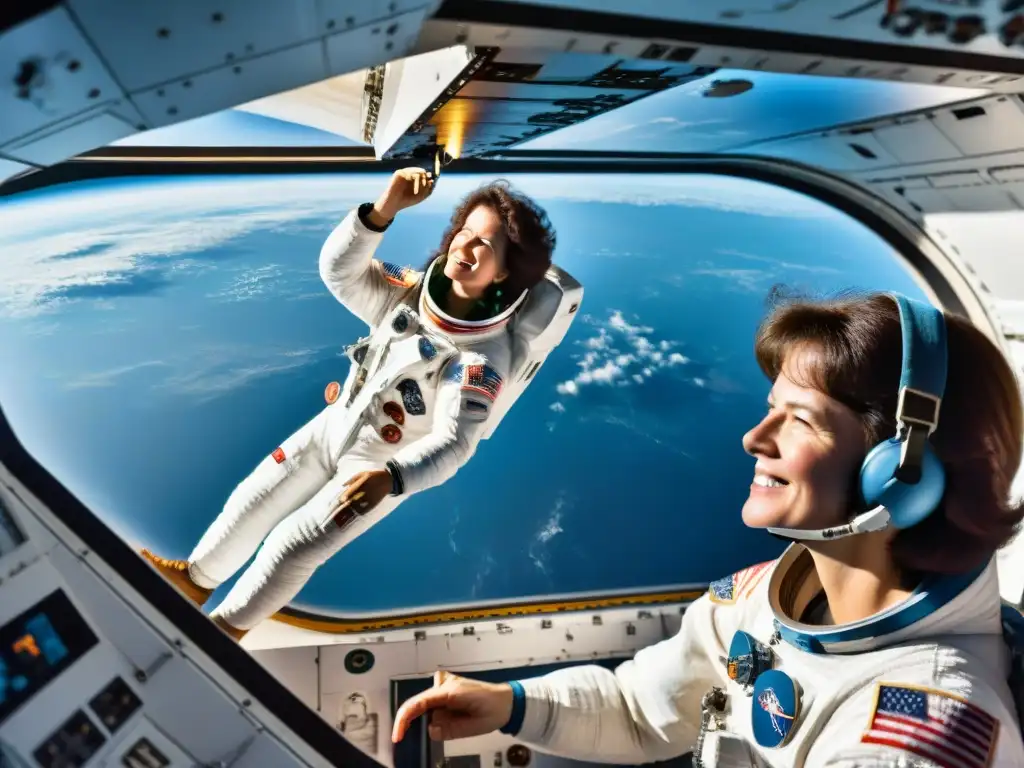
413	708
416	184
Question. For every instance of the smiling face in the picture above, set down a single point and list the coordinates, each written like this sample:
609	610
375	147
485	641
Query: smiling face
476	257
808	449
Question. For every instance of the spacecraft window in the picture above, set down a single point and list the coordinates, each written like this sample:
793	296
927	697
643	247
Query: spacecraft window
167	334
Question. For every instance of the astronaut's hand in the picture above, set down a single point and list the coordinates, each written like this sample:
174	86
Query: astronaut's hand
408	186
459	708
365	491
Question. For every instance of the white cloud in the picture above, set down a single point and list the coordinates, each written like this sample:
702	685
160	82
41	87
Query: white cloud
95	237
204	372
451	533
619	323
213	371
752	280
484	568
789	266
568	388
605	362
109	377
253	284
552	527
757	279
98	236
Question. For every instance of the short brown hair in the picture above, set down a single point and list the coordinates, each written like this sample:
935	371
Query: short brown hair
981	430
531	237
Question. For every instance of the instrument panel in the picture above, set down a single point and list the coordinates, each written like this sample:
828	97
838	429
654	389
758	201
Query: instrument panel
92	673
37	645
56	668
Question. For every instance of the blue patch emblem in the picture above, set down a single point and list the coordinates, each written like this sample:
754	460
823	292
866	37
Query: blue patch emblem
427	349
775	709
748	658
412	397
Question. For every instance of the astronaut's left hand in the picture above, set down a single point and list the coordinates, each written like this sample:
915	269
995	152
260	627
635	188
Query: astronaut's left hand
365	491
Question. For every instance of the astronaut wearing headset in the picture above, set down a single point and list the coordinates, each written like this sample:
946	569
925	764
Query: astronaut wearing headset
878	637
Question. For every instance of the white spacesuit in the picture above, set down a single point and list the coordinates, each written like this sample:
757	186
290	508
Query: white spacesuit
895	700
420	394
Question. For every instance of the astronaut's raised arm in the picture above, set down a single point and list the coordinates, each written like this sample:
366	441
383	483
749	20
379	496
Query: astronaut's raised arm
469	386
364	285
648	708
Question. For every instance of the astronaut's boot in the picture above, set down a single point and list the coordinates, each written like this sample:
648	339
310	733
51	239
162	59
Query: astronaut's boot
176	572
234	632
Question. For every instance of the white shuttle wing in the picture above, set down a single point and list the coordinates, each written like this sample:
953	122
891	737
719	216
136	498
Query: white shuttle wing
338	105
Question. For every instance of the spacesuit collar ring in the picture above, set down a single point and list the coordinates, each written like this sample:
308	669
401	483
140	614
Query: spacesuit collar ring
873	632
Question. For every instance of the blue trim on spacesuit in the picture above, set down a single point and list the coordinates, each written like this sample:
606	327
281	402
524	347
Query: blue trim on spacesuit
515	720
932	595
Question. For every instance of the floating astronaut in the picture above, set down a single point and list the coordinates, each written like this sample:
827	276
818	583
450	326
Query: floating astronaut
447	355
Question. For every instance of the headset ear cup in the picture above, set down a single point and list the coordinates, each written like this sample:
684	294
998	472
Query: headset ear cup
908	504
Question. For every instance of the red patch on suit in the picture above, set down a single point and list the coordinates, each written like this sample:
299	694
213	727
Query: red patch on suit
394	412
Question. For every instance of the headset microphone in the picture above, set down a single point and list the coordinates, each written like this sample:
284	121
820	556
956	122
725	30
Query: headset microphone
901	479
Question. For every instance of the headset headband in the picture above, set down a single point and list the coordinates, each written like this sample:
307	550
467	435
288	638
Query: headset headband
922	381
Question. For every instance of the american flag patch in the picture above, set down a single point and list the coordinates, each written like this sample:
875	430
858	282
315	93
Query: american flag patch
731	588
404	277
481	379
933	724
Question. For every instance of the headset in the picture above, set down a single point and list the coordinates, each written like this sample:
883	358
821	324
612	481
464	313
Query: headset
901	479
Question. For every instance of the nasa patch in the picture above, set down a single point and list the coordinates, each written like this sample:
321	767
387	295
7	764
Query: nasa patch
775	710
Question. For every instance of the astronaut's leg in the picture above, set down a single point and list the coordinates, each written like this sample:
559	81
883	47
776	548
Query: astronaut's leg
280	484
293	551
